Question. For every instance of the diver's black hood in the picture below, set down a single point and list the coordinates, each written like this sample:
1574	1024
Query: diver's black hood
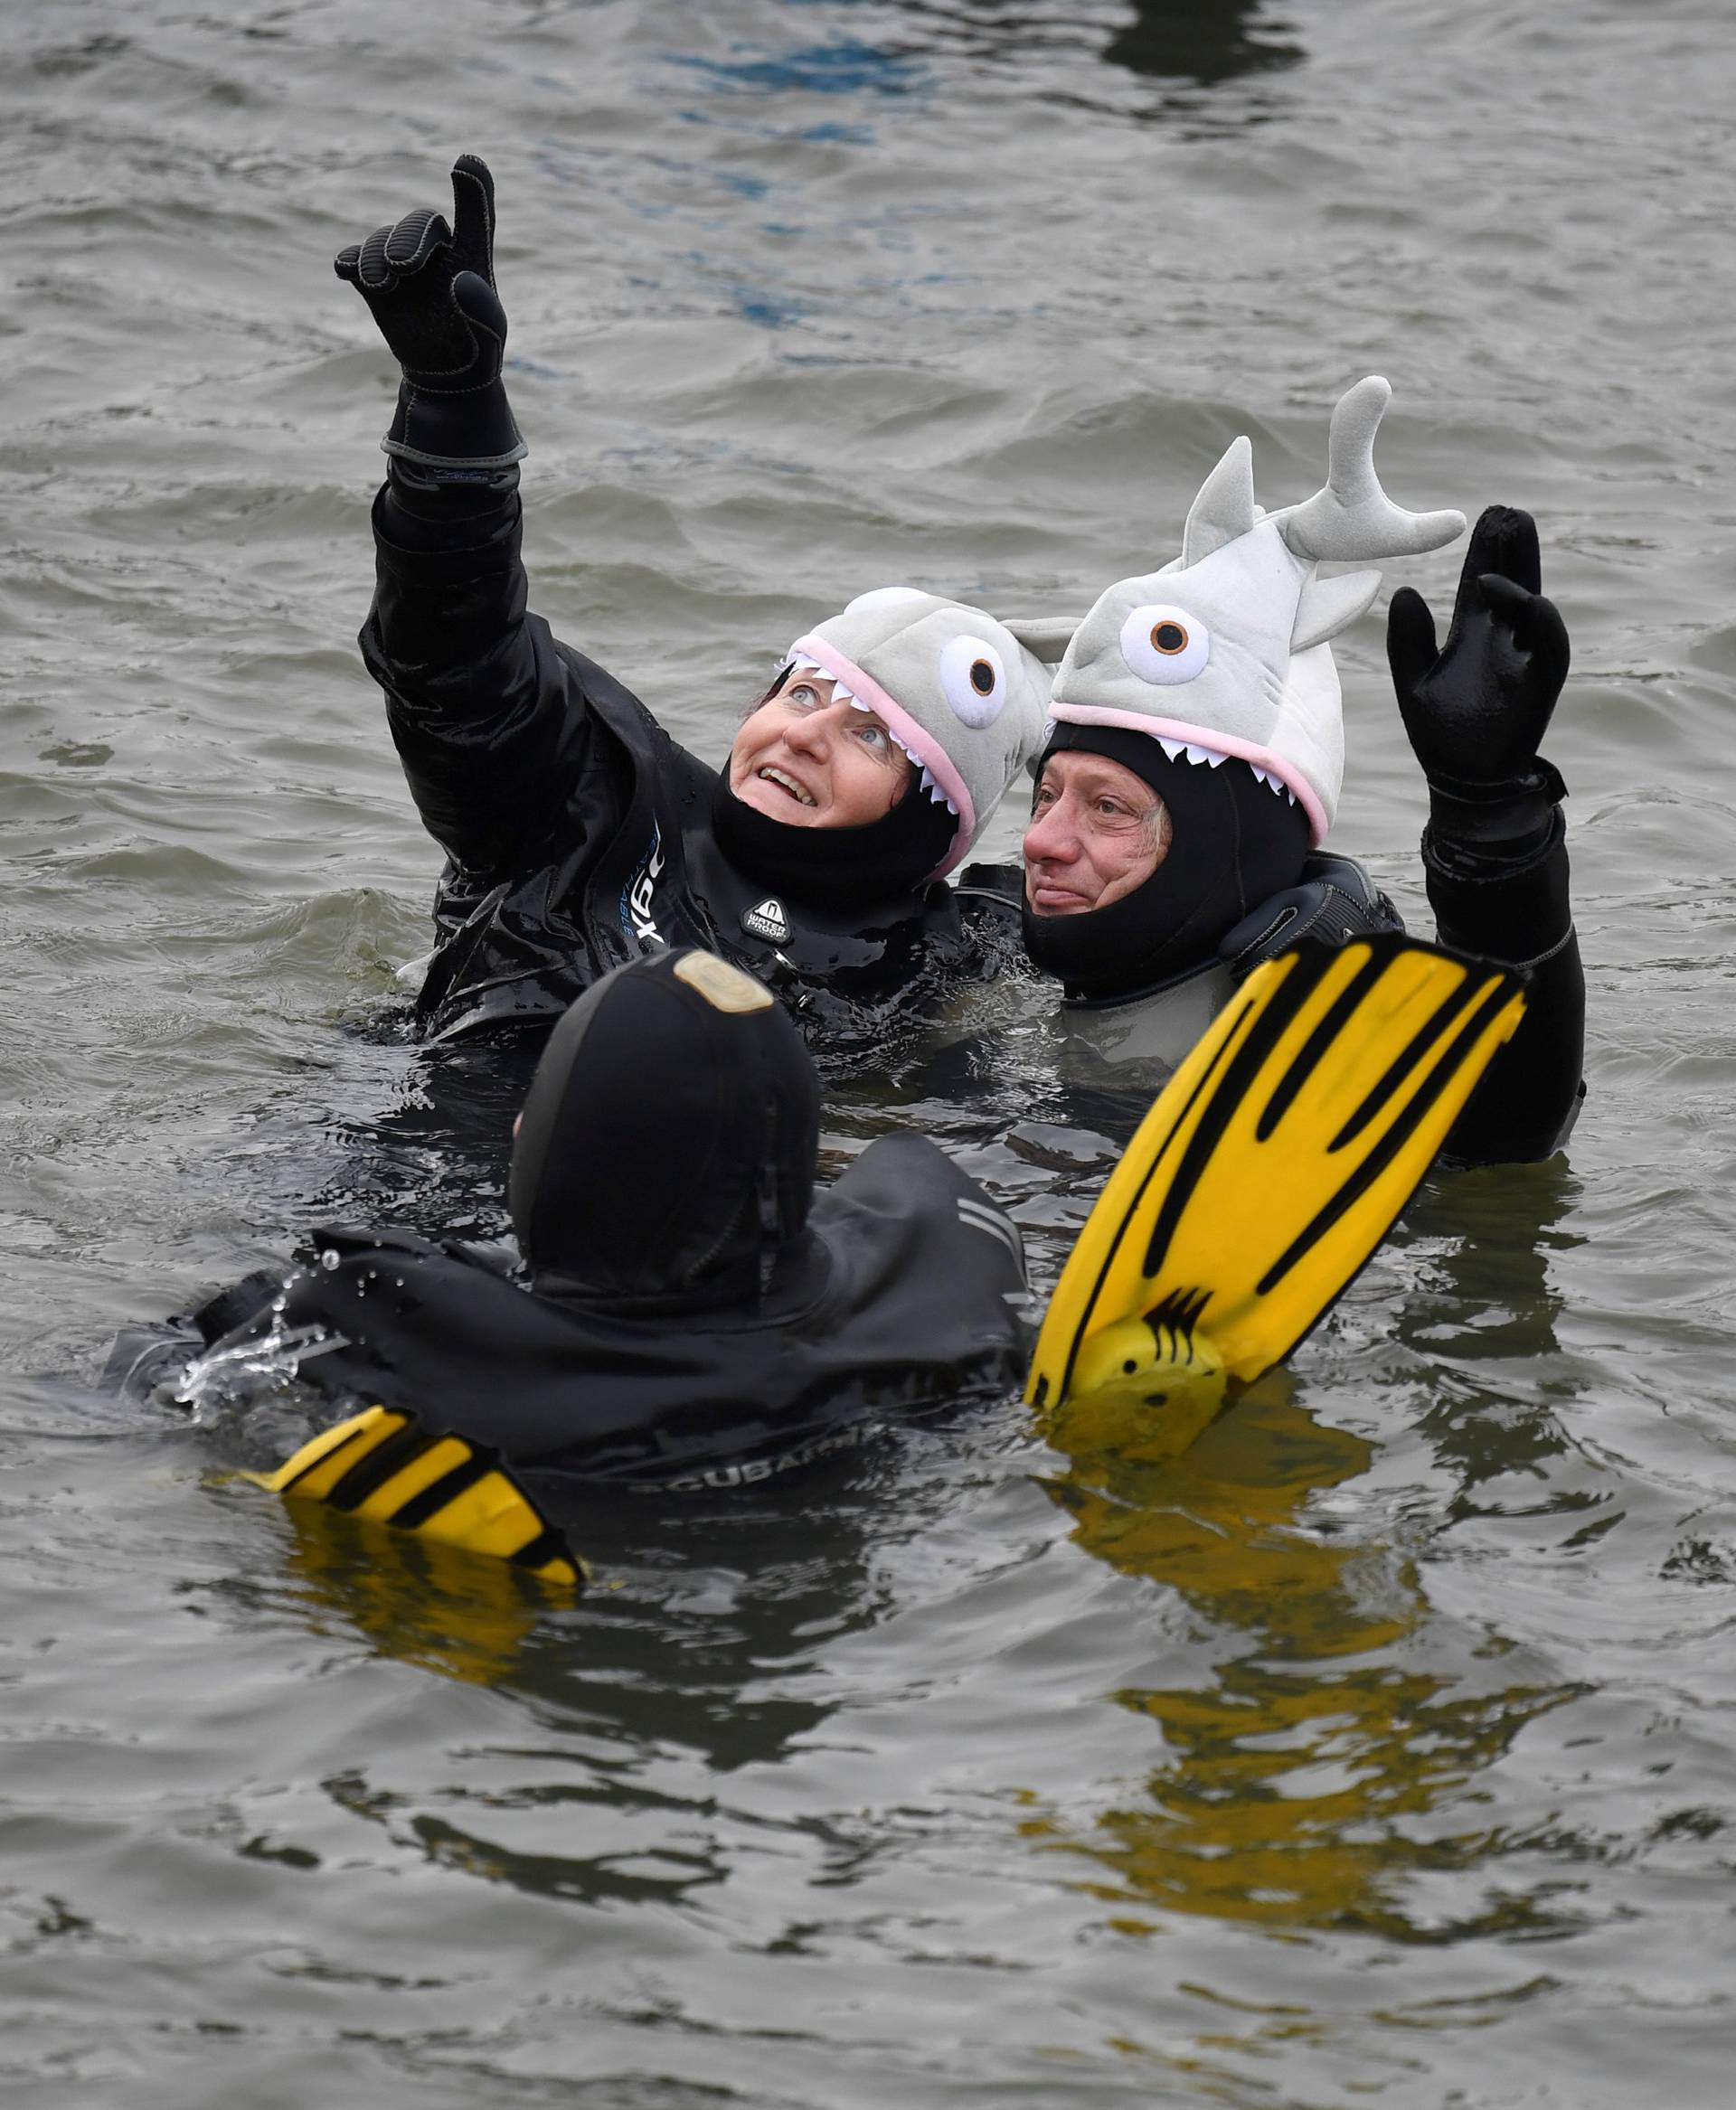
1236	842
667	1152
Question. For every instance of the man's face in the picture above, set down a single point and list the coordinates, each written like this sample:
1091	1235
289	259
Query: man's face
803	758
1096	831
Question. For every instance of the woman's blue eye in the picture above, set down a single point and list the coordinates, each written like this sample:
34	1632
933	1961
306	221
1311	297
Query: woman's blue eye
801	697
874	735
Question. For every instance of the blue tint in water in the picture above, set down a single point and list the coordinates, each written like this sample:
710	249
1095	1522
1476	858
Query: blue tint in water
837	69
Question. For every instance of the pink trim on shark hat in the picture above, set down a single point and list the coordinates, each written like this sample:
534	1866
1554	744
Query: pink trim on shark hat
904	728
1217	743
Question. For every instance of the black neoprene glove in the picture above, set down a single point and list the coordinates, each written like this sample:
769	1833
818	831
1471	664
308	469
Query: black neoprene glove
430	288
1477	709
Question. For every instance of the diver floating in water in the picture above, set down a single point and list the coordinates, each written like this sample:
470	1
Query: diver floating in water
577	833
1191	769
684	1311
682	1308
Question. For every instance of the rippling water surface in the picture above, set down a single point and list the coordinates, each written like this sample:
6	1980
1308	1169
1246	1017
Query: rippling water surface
1379	1749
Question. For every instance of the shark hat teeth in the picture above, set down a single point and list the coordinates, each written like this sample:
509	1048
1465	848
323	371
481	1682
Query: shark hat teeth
956	692
1272	783
1225	651
1214	757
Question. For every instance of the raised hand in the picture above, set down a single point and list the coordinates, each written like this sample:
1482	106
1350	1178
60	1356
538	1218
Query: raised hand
430	288
1477	709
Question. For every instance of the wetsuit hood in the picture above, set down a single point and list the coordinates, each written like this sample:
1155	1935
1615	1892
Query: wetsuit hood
1234	844
667	1152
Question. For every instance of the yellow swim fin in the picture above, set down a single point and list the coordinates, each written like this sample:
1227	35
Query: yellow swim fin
382	1465
1270	1167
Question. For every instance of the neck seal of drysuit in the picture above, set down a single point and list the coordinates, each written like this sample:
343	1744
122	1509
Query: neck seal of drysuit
833	868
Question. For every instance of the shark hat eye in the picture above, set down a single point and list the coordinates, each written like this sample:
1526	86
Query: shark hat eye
1164	644
973	681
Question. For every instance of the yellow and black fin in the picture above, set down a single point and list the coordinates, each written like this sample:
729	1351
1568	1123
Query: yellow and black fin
382	1465
1279	1154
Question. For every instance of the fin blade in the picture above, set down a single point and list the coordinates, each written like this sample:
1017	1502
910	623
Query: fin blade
1279	1154
382	1466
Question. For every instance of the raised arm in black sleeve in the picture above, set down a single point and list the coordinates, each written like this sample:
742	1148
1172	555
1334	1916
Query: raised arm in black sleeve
486	716
1494	849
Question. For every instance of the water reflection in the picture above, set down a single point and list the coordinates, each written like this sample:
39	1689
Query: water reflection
412	1598
704	1633
1206	41
1200	42
1307	1781
436	1160
701	1614
1485	1314
1299	1779
1185	44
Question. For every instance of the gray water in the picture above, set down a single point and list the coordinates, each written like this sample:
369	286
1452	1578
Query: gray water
1379	1749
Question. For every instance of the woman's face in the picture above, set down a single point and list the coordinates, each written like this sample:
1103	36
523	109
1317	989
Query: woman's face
1096	831
813	762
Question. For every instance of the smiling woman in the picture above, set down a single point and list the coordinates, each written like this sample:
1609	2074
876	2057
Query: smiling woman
578	833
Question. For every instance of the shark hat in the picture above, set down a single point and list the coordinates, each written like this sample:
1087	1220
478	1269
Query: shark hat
964	697
960	693
1225	652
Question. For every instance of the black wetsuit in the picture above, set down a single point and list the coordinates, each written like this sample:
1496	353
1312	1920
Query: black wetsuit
908	1294
578	834
687	1311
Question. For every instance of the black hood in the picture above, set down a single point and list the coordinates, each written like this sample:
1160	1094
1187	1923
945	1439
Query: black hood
835	868
667	1152
1235	844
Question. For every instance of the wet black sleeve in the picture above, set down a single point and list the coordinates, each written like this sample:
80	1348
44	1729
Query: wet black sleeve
1514	907
488	716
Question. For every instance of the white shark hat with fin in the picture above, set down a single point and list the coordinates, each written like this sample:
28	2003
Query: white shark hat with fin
1224	651
958	692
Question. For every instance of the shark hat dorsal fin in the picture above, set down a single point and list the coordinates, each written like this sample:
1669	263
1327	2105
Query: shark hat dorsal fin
1352	519
1225	649
1224	508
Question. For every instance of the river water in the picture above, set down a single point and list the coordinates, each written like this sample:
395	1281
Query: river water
1379	1749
